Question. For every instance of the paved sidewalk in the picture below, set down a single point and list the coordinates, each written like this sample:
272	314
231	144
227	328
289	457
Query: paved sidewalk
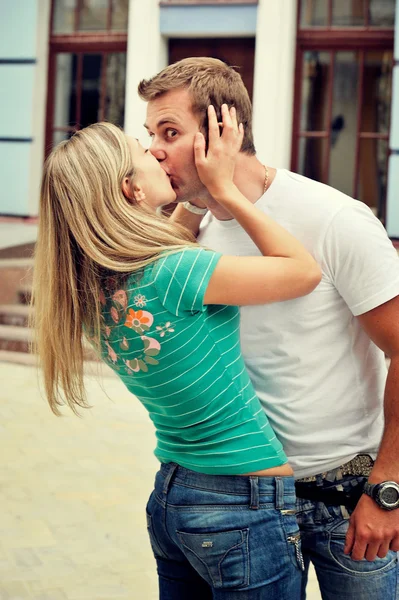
72	495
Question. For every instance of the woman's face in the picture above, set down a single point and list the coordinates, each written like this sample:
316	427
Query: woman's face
150	184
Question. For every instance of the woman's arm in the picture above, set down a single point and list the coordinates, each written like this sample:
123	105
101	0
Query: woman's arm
286	270
182	216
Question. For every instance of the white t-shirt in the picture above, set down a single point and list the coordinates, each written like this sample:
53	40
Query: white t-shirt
318	375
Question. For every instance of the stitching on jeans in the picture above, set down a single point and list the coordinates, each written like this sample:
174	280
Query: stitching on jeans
215	507
288	495
244	542
163	503
246	554
206	489
248	562
228	552
155	545
362	574
200	559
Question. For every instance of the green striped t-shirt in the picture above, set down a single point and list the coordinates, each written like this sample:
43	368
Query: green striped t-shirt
182	360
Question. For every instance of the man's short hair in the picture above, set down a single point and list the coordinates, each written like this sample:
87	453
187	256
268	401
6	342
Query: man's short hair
209	81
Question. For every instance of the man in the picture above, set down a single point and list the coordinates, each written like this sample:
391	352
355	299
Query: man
317	362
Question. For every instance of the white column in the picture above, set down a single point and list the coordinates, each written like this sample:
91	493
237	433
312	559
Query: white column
146	55
39	104
392	212
274	80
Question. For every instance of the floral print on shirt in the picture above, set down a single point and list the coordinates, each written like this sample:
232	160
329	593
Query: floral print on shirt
139	321
164	329
151	348
140	300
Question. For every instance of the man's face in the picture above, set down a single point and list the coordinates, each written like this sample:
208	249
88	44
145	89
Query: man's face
172	126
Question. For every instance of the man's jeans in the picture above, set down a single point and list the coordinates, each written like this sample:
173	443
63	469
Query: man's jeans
323	530
224	537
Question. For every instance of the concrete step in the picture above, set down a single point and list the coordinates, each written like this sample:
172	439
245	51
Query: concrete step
16	263
91	368
19	358
24	293
14	314
16	231
15	273
18	339
15	339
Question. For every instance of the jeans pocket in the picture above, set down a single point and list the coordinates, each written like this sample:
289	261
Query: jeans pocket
153	538
221	557
336	543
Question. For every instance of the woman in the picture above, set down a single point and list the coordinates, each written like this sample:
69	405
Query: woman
162	313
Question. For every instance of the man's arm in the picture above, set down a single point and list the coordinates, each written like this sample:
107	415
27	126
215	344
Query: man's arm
372	530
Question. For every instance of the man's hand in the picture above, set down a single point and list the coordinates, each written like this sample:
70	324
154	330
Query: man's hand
372	531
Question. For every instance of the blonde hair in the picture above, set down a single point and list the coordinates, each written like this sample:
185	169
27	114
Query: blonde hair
87	229
209	81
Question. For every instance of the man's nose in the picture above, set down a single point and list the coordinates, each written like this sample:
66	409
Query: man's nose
157	151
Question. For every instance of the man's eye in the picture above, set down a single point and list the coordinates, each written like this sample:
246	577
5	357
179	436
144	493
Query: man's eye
170	133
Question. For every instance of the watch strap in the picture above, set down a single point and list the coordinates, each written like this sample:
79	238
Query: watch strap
368	489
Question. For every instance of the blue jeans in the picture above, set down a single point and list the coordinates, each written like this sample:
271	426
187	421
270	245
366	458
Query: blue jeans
323	530
224	537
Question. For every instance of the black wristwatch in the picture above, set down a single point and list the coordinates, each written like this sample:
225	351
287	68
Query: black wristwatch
385	494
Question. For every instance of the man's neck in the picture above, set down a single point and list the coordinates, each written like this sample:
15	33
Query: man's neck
249	177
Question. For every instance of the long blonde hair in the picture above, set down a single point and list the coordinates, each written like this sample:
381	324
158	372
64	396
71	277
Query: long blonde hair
87	228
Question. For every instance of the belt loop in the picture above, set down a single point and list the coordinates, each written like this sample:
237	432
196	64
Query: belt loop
172	469
254	481
279	493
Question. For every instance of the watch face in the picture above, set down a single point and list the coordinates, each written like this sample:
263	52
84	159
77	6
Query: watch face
389	495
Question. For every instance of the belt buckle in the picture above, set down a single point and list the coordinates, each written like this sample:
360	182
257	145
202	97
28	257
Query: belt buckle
359	466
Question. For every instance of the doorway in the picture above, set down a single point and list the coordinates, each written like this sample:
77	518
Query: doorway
236	52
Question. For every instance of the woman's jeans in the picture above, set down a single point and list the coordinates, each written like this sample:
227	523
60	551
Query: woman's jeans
224	537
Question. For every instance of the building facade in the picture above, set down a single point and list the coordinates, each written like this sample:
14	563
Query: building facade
322	75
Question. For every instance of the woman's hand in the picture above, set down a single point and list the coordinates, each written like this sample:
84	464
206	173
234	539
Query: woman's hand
216	167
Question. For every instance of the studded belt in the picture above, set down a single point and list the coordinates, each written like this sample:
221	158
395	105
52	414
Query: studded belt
360	466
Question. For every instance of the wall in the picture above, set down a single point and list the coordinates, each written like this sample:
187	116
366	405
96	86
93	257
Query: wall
151	26
146	55
392	224
273	23
274	81
23	81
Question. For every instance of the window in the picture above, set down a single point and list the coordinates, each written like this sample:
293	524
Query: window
343	96
87	65
234	51
203	2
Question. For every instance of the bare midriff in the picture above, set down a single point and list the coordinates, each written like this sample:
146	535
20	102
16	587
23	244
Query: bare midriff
281	471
